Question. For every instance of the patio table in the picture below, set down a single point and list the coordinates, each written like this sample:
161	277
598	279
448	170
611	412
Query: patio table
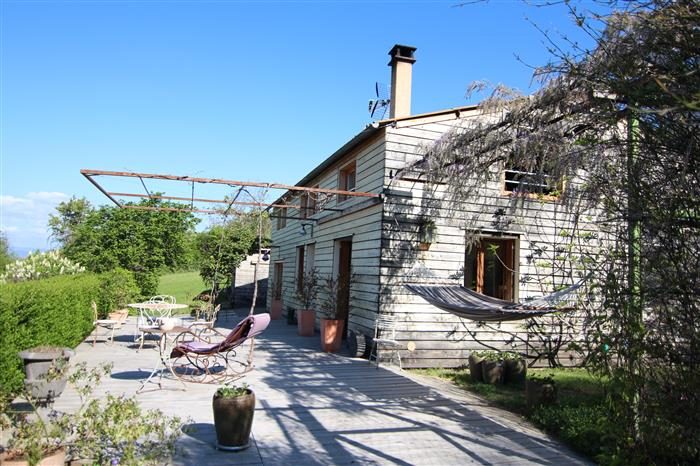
163	362
149	317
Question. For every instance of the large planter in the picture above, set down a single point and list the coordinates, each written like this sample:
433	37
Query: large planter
37	364
331	334
475	368
233	420
515	371
539	392
56	458
276	309
492	372
306	319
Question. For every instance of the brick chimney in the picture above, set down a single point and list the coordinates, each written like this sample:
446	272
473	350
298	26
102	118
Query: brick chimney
401	68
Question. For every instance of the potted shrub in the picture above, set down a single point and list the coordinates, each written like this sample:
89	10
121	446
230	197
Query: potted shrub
114	430
306	293
234	407
45	371
540	390
332	325
515	368
492	367
475	366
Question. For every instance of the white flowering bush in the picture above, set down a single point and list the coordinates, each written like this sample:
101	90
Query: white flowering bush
39	265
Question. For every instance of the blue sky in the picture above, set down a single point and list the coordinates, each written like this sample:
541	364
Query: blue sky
238	90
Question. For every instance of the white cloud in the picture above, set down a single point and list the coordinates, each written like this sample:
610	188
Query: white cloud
24	219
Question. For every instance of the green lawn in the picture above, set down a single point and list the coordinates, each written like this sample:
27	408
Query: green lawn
183	285
578	418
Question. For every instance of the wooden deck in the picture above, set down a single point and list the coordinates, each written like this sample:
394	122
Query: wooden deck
317	408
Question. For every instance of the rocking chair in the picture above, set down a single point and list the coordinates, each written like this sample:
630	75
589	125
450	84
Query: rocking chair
195	359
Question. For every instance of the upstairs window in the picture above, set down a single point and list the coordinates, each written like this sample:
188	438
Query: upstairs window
309	204
347	179
281	218
531	177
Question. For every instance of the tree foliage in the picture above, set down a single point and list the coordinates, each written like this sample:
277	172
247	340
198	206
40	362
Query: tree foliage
620	124
140	241
69	216
5	255
223	247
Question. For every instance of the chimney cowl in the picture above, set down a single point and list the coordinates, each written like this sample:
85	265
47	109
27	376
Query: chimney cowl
403	53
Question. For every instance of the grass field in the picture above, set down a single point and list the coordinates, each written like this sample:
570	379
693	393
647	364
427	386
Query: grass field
183	285
578	418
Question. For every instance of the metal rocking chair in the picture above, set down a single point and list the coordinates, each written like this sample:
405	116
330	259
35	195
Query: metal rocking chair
196	359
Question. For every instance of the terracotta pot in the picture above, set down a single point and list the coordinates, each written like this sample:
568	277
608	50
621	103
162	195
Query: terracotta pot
306	320
492	372
331	334
539	393
57	458
515	371
475	370
276	309
233	420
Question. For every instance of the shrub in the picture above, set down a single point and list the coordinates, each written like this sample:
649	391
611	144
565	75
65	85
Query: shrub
117	289
52	312
39	265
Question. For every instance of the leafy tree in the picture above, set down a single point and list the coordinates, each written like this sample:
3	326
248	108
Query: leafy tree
6	256
70	215
140	241
223	247
621	123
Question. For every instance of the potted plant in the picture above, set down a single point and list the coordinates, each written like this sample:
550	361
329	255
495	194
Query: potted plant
306	293
492	367
515	368
332	325
475	366
114	430
540	390
234	407
45	371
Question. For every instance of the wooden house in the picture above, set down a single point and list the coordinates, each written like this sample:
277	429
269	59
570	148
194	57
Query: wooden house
407	235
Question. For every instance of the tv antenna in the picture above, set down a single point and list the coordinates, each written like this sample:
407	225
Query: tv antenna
379	105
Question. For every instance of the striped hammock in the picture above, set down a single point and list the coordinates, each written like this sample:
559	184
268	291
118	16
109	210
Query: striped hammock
469	304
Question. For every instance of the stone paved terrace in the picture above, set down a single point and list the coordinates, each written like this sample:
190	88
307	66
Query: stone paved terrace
316	408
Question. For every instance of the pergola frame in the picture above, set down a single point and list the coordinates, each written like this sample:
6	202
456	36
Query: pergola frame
91	176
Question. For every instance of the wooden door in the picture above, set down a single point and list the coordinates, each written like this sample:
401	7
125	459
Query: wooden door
344	273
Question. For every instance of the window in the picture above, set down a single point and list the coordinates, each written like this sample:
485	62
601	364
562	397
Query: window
529	178
490	268
309	204
347	179
300	267
281	218
310	256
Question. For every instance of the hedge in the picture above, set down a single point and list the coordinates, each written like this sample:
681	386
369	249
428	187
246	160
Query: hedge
52	311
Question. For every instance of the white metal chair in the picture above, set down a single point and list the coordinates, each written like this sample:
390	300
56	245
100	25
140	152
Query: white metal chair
385	338
206	325
107	324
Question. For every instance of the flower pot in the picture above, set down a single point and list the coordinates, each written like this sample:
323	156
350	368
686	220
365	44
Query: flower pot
55	458
276	309
306	319
538	392
331	334
515	371
233	420
492	372
475	368
37	364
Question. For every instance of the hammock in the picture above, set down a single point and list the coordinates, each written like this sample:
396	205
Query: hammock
469	304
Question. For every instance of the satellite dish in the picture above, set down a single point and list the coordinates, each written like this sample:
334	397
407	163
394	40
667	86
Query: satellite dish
378	106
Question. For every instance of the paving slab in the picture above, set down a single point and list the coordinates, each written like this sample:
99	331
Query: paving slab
315	408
